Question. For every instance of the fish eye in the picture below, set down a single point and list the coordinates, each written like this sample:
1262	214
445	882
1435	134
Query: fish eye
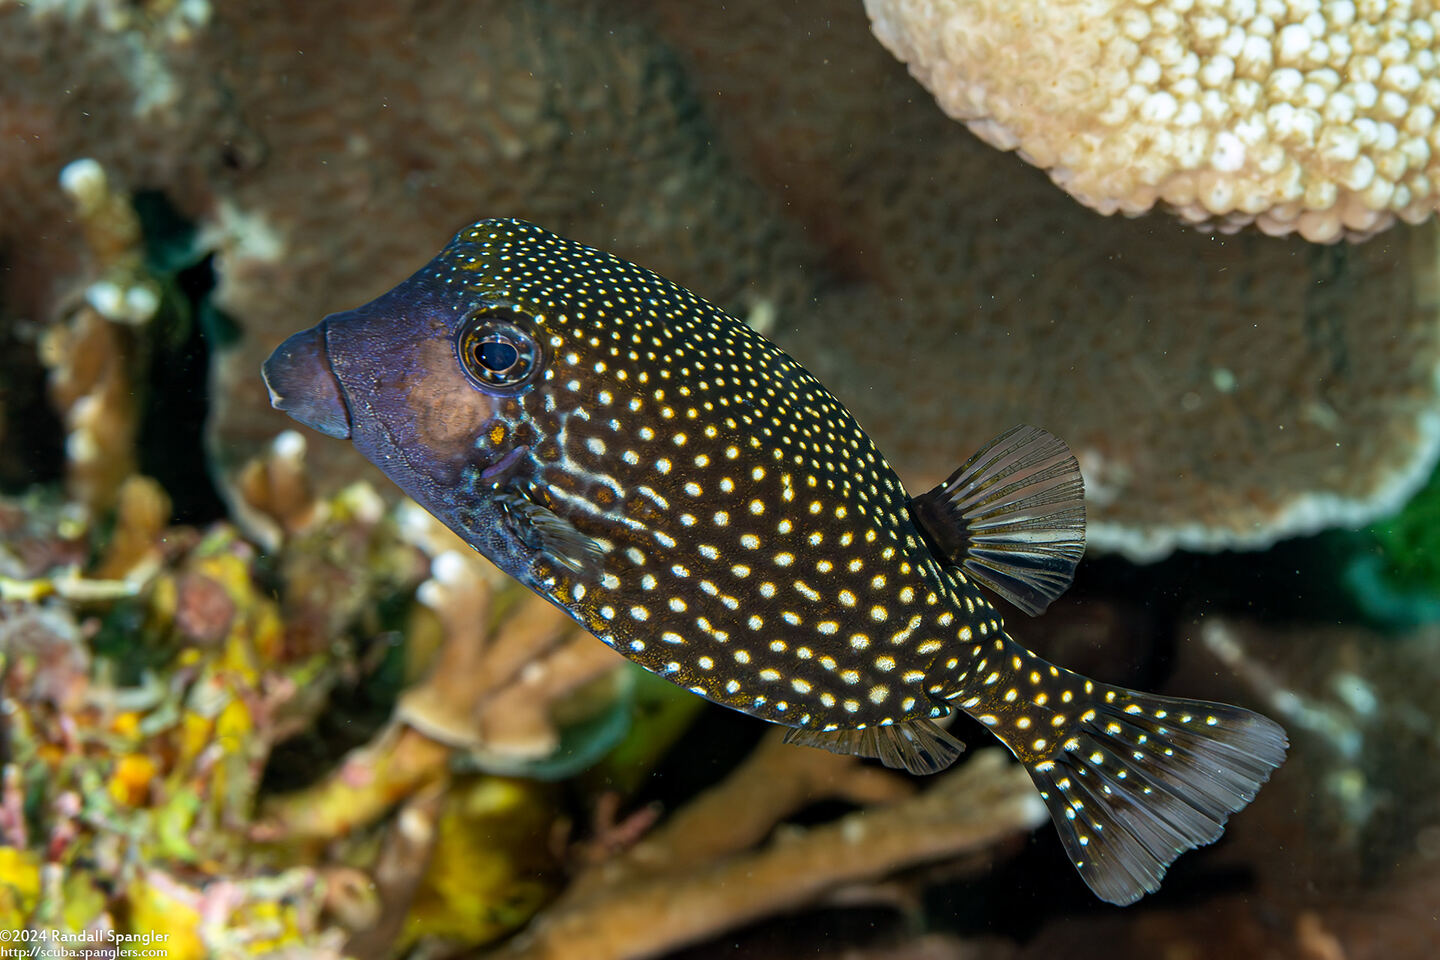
497	354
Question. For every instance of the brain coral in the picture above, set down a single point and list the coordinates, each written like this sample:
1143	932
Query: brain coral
1312	116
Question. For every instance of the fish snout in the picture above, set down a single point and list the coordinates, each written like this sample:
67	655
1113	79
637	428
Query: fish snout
302	383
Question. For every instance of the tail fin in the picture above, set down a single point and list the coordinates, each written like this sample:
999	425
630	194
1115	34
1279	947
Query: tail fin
1136	780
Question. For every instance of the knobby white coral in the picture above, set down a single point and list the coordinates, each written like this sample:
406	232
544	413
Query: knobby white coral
1316	116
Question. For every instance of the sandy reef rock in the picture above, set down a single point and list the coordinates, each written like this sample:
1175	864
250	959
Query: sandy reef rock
1310	116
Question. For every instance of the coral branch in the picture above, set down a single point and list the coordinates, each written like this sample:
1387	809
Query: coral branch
495	689
773	783
624	918
370	781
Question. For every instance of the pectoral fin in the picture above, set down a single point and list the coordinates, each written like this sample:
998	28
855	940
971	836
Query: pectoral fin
550	535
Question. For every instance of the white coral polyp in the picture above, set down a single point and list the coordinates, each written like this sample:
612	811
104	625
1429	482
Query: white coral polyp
1308	116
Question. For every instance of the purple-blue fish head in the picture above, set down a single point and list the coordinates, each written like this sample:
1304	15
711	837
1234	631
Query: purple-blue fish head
524	389
398	377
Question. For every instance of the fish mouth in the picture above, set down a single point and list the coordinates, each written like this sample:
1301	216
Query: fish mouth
303	384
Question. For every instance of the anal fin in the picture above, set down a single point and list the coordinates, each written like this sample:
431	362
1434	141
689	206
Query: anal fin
1013	517
919	746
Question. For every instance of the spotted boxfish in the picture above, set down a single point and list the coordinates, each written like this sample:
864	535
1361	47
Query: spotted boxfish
694	497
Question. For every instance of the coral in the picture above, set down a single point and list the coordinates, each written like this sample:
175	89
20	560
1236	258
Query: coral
488	107
491	865
399	763
91	383
494	688
113	237
1318	118
232	114
132	787
335	555
497	661
710	868
502	679
1365	704
515	659
497	695
268	748
142	512
94	362
1337	858
83	77
1393	567
707	868
395	848
1281	389
273	492
1218	391
140	712
138	110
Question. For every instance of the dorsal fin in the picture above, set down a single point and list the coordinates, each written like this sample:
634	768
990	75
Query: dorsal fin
1013	517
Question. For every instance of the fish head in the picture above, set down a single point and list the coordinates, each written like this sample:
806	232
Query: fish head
498	371
434	381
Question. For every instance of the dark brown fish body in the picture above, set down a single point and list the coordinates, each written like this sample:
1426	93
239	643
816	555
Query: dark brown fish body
701	503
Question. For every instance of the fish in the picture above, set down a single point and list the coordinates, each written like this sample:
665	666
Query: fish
699	501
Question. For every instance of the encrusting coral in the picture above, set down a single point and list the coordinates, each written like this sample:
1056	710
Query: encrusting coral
136	764
1317	117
